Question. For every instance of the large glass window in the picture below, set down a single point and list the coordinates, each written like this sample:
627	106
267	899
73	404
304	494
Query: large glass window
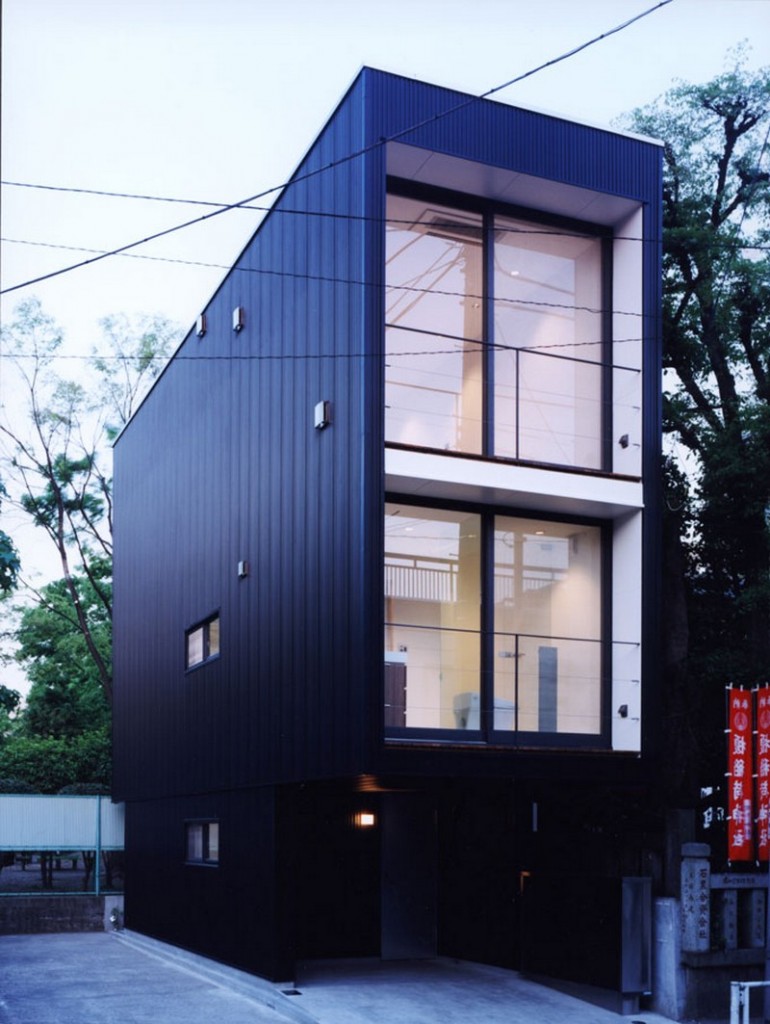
541	395
536	622
548	345
547	625
434	326
432	614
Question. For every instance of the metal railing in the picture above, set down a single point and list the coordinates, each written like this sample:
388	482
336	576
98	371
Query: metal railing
740	993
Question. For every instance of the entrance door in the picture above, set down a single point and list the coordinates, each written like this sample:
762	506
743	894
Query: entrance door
408	835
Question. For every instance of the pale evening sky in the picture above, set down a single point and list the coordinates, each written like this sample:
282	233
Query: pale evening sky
217	100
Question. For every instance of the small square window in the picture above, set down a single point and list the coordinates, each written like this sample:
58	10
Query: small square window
202	642
202	842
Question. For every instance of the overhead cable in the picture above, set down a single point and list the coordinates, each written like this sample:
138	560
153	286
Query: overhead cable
342	160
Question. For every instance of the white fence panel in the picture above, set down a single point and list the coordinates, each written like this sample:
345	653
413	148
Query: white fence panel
60	823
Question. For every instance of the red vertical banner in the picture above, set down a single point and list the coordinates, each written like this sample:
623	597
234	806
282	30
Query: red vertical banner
740	764
763	773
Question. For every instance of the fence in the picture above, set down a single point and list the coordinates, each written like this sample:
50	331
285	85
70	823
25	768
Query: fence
60	844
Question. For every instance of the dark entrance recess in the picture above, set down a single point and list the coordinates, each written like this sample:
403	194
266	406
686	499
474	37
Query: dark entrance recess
330	867
408	840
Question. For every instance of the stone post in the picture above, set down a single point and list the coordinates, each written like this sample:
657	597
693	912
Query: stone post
696	893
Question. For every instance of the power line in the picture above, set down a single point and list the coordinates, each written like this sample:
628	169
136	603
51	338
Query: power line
257	357
346	159
725	243
325	279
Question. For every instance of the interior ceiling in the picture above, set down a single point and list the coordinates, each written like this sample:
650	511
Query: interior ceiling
430	168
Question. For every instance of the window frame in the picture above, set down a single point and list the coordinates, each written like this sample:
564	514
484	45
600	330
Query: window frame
205	824
486	736
489	210
204	625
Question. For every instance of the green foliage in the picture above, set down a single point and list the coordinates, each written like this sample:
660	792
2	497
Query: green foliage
85	789
47	765
10	564
58	467
139	350
716	337
10	702
66	697
9	784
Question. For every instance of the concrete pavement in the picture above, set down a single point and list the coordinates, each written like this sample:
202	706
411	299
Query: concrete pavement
124	978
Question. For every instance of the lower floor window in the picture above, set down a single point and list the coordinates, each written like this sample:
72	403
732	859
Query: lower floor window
202	842
202	642
493	622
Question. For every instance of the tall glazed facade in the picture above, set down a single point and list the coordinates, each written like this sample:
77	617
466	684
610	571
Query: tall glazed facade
387	541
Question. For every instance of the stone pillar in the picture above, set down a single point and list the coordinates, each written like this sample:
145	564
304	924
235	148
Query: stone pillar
728	919
754	915
696	895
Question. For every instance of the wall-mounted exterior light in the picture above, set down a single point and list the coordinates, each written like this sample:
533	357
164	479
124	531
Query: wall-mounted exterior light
364	819
243	570
239	318
200	325
322	415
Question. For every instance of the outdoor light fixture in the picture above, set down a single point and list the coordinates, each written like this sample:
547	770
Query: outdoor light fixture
623	441
243	570
364	819
322	415
200	325
238	318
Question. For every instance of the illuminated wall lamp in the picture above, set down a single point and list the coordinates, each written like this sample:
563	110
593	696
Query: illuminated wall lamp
364	819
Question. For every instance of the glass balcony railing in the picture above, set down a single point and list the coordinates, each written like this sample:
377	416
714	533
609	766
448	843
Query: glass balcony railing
536	684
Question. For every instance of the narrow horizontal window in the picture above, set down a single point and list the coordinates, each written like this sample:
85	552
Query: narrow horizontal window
202	842
202	642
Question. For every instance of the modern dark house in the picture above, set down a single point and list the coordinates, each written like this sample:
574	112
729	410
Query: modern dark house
386	569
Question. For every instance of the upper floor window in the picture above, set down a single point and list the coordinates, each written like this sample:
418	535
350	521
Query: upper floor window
202	642
496	336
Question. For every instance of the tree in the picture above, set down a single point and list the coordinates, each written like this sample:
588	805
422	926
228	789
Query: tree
56	458
716	336
66	697
10	702
46	765
9	558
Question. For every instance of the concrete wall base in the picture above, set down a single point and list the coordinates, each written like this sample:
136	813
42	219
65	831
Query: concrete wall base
26	915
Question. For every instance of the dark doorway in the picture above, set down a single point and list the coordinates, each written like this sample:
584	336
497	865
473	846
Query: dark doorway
408	851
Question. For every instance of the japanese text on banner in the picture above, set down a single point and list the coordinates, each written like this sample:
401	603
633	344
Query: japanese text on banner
740	764
763	773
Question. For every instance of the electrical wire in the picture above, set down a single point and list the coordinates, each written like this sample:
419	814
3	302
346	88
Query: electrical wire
325	279
550	232
342	160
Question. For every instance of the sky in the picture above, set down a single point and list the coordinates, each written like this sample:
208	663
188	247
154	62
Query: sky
218	100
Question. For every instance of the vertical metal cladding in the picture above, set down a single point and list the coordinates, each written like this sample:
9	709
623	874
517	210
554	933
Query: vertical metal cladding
222	463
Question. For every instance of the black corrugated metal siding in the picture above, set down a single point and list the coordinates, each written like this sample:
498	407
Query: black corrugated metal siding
222	463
